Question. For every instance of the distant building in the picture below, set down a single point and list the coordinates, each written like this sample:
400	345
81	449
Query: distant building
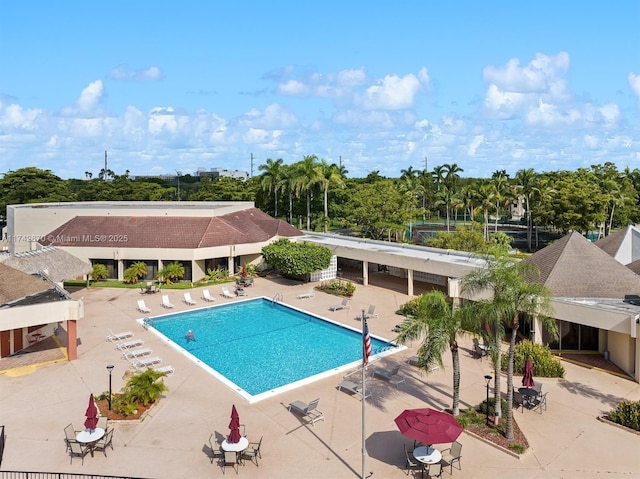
222	173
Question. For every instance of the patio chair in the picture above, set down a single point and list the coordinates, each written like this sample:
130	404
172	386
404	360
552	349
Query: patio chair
308	294
103	422
207	296
229	458
410	463
344	305
143	308
166	303
216	452
435	470
519	400
253	451
389	375
165	369
136	353
478	350
226	293
452	455
113	337
353	388
539	403
129	344
187	299
144	363
102	444
240	291
77	449
69	435
371	312
308	410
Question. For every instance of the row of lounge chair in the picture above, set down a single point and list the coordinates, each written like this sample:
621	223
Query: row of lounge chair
188	300
140	358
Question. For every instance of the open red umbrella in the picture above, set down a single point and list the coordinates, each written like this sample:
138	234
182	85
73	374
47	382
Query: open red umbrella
527	376
92	415
428	426
234	425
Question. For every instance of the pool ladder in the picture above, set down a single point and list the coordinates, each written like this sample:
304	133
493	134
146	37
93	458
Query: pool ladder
277	297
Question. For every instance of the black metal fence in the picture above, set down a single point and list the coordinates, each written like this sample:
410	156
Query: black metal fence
55	475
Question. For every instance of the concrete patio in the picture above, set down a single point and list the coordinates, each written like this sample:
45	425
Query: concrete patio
566	441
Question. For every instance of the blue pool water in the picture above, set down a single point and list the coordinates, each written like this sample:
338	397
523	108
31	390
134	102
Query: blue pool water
259	345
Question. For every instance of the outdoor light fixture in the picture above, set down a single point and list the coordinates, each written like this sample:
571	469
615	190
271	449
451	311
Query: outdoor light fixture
110	368
488	379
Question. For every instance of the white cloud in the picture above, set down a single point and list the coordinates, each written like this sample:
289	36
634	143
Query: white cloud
88	101
125	73
14	116
475	144
391	93
540	75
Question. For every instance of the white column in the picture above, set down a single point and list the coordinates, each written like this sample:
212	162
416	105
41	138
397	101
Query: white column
410	282
365	273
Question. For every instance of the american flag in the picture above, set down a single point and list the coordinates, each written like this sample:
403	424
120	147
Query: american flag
366	344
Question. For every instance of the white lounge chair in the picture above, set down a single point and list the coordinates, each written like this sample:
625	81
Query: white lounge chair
143	307
226	293
389	375
187	299
143	363
308	294
352	388
344	305
308	410
166	303
371	313
134	343
165	369
135	353
113	337
207	296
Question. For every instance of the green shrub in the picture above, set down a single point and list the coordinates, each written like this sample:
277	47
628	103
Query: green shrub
338	287
99	272
218	274
627	413
296	259
469	416
545	364
410	308
517	448
482	408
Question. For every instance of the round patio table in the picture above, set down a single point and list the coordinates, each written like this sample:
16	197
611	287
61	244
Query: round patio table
239	446
90	437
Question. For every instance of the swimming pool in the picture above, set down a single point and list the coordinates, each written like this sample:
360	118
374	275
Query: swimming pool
259	347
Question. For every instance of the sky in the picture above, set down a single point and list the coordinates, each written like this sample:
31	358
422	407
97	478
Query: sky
166	86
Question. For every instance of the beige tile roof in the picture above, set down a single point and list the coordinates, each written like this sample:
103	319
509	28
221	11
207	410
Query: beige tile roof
15	285
575	267
241	227
57	264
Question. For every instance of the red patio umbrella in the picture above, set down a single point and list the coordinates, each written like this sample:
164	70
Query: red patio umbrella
428	426
92	415
527	376
234	425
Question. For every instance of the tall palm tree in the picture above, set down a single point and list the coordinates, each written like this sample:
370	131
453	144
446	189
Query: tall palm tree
485	194
438	175
440	324
288	183
309	175
451	175
500	196
446	197
272	179
329	174
515	293
525	179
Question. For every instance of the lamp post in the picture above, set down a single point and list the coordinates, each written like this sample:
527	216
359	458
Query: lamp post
110	368
488	379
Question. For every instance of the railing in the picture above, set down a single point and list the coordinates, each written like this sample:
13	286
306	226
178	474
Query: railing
276	298
56	475
1	443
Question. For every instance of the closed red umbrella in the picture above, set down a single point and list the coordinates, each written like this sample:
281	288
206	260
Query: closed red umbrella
428	426
92	415
234	426
527	376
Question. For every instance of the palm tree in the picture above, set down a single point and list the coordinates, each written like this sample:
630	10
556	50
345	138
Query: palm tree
451	175
308	176
525	180
515	293
330	174
446	197
440	324
438	175
288	183
171	272
272	178
145	387
136	271
485	194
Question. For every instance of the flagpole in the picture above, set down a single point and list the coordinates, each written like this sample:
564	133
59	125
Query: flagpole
365	359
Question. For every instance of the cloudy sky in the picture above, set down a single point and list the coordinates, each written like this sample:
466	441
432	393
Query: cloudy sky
168	86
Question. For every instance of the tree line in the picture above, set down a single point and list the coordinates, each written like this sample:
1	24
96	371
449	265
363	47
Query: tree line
314	194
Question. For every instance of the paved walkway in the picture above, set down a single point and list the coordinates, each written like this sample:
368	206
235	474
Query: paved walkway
567	441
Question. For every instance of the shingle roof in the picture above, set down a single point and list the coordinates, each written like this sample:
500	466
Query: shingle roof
247	226
611	244
15	285
623	245
575	267
57	264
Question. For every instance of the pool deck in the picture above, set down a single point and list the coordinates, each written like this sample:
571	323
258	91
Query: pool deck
36	403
